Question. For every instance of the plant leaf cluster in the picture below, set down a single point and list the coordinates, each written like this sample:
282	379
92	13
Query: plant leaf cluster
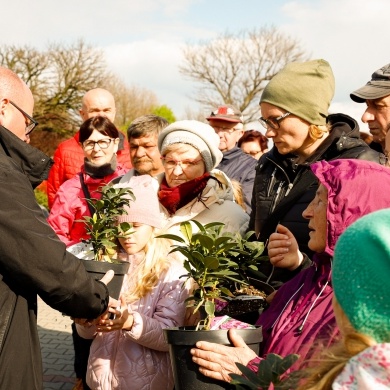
102	227
215	260
271	370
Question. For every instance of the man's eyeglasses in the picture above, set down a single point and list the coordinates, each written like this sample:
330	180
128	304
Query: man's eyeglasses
273	123
103	144
185	164
33	123
225	130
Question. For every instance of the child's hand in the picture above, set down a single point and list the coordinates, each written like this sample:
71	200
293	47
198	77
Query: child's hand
123	319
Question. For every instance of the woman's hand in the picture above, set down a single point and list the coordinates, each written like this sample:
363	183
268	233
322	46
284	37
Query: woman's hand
123	319
218	361
283	250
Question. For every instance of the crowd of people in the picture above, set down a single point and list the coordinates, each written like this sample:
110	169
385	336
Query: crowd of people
317	198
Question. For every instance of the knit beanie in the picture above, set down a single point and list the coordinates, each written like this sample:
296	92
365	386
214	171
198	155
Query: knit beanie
305	89
197	134
361	274
145	208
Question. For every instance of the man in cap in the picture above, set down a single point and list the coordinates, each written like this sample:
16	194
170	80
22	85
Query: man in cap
376	94
227	122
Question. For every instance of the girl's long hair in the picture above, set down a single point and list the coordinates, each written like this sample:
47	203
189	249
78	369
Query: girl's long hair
150	270
331	362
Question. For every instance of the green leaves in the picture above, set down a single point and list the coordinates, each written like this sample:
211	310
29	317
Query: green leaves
272	369
102	227
215	260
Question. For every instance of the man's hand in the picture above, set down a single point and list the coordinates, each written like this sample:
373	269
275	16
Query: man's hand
107	279
283	250
218	361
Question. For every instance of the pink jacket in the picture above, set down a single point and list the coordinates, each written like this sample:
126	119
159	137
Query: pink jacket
70	206
69	160
139	359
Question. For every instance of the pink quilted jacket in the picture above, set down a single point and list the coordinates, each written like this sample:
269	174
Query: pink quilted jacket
68	161
139	359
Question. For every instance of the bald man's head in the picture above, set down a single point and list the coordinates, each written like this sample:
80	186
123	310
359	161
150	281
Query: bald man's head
96	102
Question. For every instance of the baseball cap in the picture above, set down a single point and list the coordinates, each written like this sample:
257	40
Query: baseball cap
377	87
227	113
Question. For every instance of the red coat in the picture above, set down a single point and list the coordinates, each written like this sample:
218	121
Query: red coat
69	160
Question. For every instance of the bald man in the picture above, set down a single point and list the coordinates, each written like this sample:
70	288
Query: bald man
69	156
33	261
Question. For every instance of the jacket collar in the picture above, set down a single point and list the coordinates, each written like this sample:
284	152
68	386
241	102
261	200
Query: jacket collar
31	161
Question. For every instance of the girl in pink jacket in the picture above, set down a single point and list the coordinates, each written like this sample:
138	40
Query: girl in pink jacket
129	352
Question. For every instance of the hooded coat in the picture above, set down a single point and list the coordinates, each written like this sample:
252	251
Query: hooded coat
301	314
283	189
33	261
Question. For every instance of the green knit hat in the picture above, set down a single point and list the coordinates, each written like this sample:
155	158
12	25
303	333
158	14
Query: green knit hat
361	274
305	89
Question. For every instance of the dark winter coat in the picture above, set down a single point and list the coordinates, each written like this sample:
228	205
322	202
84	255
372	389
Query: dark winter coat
240	166
283	189
33	261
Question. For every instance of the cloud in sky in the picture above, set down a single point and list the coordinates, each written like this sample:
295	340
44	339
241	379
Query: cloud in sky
143	39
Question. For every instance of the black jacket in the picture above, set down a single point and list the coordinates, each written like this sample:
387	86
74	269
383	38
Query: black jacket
283	189
33	261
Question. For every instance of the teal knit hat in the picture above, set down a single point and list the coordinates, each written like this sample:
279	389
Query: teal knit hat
361	274
305	89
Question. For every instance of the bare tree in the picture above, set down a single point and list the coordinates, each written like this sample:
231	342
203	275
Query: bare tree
58	78
234	68
131	101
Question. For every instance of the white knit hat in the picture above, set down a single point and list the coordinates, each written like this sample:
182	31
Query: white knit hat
145	208
197	134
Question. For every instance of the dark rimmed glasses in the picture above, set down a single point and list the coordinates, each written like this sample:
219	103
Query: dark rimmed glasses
273	123
102	143
33	123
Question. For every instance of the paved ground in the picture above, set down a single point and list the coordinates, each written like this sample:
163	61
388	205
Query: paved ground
57	348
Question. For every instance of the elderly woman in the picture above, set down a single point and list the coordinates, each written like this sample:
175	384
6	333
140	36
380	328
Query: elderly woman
300	316
191	188
361	272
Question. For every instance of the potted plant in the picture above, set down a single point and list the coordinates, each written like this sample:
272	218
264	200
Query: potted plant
98	252
210	260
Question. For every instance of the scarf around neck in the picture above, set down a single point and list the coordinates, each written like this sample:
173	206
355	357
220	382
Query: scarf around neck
102	170
174	198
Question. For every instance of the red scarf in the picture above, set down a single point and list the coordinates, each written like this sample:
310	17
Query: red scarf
173	198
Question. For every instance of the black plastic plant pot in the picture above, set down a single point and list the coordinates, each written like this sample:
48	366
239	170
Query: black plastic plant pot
185	371
97	269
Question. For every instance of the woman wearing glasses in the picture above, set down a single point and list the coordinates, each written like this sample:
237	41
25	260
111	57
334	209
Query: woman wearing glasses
294	108
99	139
191	188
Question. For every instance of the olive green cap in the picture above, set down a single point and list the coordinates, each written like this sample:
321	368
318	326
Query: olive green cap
305	89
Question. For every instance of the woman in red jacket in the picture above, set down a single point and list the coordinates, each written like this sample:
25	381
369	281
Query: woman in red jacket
99	139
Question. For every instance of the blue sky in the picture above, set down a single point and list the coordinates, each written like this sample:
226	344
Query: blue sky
142	39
